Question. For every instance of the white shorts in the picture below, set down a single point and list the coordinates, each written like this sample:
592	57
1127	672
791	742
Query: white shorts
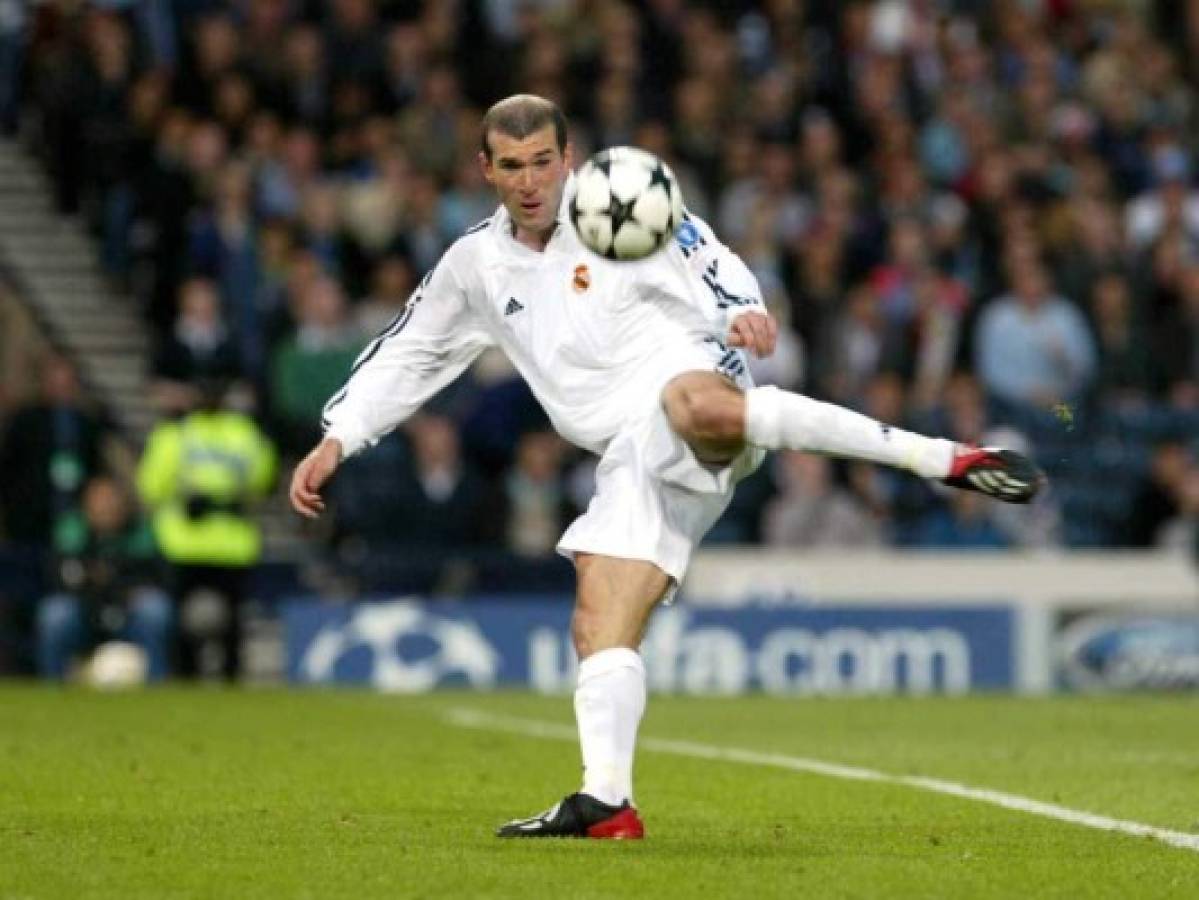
653	499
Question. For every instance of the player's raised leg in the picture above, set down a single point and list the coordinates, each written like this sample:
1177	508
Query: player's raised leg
716	418
614	601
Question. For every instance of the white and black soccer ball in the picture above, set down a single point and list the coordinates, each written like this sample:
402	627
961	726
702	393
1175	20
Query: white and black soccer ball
627	203
116	665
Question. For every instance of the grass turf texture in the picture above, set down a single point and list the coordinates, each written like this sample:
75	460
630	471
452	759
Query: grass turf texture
213	793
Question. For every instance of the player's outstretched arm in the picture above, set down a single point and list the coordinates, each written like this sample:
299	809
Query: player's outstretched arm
724	287
754	330
311	475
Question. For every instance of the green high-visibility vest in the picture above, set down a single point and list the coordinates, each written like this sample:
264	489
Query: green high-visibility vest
213	464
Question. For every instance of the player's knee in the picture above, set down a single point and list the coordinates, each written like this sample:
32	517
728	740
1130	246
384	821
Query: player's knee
705	411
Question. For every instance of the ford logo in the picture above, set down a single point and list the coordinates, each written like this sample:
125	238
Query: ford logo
1124	653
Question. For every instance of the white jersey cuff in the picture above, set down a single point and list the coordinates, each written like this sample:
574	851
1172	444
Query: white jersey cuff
352	439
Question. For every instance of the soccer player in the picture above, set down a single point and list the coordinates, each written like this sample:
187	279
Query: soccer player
640	363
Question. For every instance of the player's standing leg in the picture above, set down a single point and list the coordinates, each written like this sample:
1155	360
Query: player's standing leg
716	419
614	601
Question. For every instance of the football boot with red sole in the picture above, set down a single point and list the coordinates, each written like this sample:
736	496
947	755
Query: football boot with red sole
1002	474
579	816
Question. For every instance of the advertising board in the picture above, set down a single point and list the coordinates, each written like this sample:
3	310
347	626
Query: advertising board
1135	648
412	645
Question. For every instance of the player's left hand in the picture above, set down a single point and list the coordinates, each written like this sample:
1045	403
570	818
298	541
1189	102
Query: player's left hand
754	331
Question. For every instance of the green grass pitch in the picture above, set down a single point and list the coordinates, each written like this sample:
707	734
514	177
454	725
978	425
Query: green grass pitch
205	793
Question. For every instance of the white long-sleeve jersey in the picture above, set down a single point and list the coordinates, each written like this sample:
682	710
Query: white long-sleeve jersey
595	339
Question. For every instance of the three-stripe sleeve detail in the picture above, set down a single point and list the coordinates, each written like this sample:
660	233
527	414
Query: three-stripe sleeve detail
396	326
724	297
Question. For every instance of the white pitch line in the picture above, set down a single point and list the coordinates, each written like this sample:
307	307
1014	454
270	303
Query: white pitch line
473	718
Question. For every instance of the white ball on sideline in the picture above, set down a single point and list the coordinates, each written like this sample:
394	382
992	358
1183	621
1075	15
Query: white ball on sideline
118	664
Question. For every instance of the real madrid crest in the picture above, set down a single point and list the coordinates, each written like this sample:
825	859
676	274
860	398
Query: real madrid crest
582	278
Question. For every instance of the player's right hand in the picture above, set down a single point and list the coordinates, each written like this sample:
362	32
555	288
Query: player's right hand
754	330
310	476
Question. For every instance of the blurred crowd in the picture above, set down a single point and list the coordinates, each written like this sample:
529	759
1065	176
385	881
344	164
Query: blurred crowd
977	219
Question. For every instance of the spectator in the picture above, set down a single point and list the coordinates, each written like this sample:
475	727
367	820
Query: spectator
392	284
449	498
432	130
615	112
953	248
374	205
233	105
50	449
1122	374
425	239
816	287
929	346
536	503
1157	501
447	504
1033	347
199	349
812	511
223	247
1161	269
923	309
961	412
959	525
352	36
13	34
697	129
320	226
1170	203
216	50
893	280
468	200
1181	532
277	254
308	367
147	106
164	197
264	26
820	150
855	348
1175	345
769	191
305	88
1094	246
282	179
107	587
404	67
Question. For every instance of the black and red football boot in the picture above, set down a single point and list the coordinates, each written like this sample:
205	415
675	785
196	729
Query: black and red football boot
1002	474
579	816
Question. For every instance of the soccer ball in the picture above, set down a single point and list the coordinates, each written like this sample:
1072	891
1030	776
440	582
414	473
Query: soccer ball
116	665
627	203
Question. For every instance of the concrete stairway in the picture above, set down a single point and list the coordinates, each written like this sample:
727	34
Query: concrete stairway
54	264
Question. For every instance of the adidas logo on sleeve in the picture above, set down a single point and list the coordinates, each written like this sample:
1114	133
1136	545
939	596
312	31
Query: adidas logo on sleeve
514	306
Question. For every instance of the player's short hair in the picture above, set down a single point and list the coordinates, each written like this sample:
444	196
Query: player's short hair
519	116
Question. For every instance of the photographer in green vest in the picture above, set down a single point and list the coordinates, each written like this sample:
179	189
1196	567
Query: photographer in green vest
199	477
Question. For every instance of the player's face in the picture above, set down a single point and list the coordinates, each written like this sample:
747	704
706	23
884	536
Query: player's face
529	174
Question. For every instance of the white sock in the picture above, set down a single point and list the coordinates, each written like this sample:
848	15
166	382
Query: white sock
609	703
777	419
